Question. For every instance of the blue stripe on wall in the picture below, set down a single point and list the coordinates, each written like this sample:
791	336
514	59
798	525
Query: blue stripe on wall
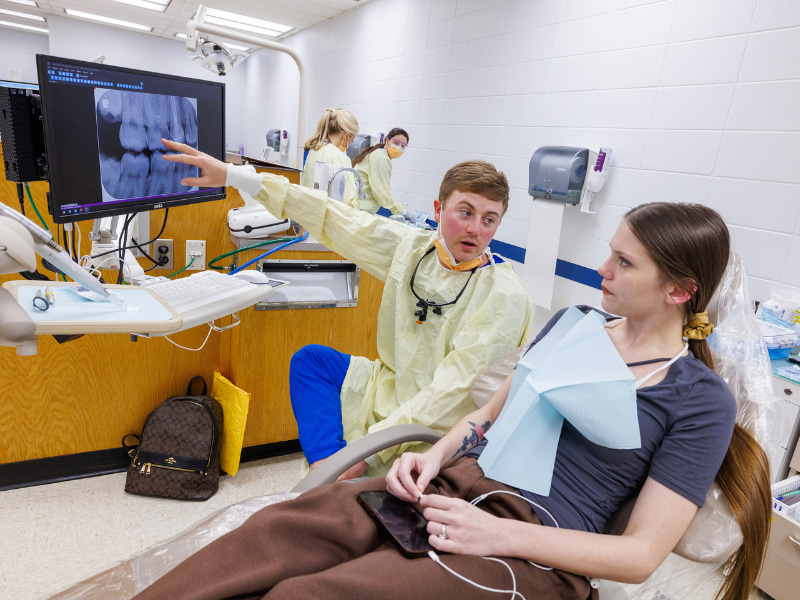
579	274
567	270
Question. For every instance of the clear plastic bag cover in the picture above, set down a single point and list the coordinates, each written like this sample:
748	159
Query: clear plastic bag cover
130	577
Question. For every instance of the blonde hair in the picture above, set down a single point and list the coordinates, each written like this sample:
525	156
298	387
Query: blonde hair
333	121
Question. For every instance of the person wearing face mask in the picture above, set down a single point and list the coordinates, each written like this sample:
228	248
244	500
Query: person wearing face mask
449	309
336	130
374	165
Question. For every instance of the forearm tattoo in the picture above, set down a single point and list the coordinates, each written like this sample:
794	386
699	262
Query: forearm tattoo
476	434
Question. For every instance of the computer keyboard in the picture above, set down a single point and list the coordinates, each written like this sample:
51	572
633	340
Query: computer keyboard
199	290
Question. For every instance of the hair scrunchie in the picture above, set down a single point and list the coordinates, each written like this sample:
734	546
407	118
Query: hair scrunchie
698	327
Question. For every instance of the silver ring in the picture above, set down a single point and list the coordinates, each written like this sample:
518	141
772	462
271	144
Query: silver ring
443	535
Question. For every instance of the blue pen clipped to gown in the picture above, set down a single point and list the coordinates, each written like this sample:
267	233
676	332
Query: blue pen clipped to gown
574	372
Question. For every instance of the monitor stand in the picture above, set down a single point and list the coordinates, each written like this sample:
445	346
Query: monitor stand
105	235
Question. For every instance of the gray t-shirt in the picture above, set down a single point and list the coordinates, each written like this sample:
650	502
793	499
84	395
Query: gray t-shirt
686	422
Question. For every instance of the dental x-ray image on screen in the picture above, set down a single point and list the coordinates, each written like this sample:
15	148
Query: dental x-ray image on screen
130	126
103	126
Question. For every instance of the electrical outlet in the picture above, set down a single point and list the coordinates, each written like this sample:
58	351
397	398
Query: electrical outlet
196	249
163	248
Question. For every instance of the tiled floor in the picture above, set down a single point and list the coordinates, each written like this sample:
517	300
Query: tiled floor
55	535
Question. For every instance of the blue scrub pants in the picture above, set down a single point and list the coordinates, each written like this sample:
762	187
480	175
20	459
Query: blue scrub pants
316	375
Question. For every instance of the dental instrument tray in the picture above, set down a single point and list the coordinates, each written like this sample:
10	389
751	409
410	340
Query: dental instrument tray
72	314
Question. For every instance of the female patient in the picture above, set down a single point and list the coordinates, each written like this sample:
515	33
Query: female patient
666	260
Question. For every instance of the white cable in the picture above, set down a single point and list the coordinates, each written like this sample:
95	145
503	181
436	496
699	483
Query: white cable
101	265
514	593
191	349
78	232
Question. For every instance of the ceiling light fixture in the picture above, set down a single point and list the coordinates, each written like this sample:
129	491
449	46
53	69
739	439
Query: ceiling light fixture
102	19
25	27
159	5
234	21
25	2
21	15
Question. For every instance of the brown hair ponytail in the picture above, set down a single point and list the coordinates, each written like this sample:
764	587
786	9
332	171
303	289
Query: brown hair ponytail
690	245
744	479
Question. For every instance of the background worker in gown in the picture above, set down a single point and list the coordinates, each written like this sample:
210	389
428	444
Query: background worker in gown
374	165
336	130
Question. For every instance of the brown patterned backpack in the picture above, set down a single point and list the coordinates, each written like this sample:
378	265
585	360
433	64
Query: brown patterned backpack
178	452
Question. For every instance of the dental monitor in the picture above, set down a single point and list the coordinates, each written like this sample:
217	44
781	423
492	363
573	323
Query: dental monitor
103	127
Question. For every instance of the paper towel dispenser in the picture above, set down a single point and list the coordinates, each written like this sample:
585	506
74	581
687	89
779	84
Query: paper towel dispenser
558	173
274	139
360	143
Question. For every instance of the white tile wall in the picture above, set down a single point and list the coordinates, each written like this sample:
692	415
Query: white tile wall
697	99
767	56
716	60
694	107
767	106
711	18
774	14
758	204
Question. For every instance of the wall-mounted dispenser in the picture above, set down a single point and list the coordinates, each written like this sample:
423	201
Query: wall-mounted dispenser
277	148
274	139
284	143
360	143
595	177
558	173
559	176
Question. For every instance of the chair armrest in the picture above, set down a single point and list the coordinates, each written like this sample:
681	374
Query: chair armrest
335	465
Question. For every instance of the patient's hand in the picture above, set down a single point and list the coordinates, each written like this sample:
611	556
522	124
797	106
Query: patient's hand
410	475
469	530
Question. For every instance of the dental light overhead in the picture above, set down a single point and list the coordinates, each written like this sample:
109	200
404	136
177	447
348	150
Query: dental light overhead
217	58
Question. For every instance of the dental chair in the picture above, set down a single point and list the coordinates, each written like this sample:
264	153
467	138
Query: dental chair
713	535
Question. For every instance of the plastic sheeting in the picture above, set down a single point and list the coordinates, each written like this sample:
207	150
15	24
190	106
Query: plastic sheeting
741	359
130	577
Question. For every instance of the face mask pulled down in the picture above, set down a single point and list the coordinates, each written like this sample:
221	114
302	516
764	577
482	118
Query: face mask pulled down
448	260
